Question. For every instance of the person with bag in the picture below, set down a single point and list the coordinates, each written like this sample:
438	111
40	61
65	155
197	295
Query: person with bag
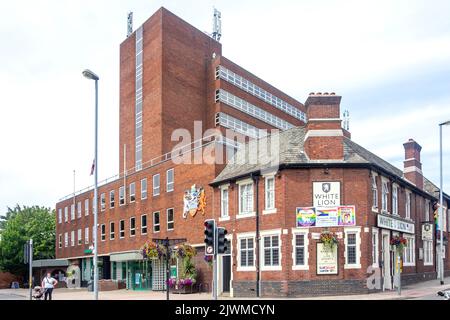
48	283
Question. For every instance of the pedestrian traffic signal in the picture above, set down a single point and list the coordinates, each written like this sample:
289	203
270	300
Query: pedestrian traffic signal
210	230
222	242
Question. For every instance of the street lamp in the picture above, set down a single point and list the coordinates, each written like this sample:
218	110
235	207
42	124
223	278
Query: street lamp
441	206
92	76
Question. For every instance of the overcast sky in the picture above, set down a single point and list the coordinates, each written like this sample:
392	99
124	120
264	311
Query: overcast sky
390	60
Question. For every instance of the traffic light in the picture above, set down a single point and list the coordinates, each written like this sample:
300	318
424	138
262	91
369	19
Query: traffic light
210	228
222	242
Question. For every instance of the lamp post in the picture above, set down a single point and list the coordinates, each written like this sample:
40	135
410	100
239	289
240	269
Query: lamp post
441	206
92	76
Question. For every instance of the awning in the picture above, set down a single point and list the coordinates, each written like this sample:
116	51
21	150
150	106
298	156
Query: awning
50	263
126	256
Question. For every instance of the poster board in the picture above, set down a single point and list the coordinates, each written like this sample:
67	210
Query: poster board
340	216
326	260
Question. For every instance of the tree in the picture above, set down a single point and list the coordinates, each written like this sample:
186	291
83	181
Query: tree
22	224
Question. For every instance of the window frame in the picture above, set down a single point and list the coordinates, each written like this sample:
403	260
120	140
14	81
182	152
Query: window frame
112	199
375	199
112	231
384	195
72	211
430	255
132	229
121	196
132	189
409	251
305	234
66	239
144	191
170	185
60	241
246	236
374	246
224	203
357	232
395	198
122	229
242	186
86	235
408	206
79	210
271	234
86	207
146	224
267	208
156	189
60	219
102	201
72	238
79	237
173	219
103	232
156	224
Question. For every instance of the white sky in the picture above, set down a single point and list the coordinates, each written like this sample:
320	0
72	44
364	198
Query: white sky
390	60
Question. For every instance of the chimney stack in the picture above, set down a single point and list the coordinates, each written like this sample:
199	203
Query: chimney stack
412	166
324	138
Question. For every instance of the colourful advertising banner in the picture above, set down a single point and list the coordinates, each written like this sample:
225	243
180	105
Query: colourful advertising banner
325	217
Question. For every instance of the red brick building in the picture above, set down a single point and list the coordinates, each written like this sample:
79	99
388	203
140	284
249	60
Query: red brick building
180	99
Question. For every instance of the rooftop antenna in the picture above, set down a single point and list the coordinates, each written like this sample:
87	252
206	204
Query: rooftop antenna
217	25
346	120
129	24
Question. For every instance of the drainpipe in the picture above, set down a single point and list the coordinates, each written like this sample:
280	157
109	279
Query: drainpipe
255	179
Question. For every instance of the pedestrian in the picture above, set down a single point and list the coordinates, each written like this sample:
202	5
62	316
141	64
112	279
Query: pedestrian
48	283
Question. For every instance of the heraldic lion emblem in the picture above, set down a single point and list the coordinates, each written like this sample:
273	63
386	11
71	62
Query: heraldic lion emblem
194	201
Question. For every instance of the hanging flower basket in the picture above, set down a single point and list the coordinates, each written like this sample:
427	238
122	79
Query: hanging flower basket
399	243
328	239
185	251
152	250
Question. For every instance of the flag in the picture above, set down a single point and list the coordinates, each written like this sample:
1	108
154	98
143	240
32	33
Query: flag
93	167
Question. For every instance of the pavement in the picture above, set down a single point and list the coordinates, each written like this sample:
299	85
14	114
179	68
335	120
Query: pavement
421	291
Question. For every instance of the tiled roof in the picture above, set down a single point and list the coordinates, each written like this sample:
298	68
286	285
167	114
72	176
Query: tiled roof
291	152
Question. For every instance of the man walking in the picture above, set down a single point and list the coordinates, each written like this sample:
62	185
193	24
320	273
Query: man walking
49	284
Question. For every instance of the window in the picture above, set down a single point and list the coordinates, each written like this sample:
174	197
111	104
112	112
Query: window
427	211
156	226
144	188
132	192
384	197
239	126
59	215
260	93
66	214
170	222
408	205
300	249
271	250
60	241
169	180
112	200
374	193
375	248
86	235
144	224
352	248
409	252
72	238
80	237
395	199
247	252
270	193
79	209
132	226
102	202
428	252
103	232
66	239
252	110
246	198
72	211
122	229
156	187
224	203
121	196
112	231
86	207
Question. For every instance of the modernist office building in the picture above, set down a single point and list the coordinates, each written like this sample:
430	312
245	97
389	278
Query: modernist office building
315	179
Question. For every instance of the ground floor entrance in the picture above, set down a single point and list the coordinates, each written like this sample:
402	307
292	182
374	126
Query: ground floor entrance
139	275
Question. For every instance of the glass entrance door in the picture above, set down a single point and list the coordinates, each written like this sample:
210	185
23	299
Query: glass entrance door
140	275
